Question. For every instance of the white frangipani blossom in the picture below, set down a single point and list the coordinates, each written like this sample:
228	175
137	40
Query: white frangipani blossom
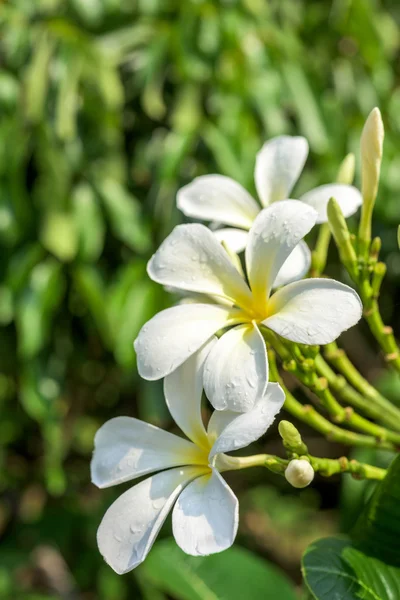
312	311
204	508
278	167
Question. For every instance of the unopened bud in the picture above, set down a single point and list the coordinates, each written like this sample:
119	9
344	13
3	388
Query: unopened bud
289	433
371	154
346	169
291	438
341	233
299	473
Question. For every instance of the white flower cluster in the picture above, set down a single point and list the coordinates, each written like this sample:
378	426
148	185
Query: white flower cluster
180	345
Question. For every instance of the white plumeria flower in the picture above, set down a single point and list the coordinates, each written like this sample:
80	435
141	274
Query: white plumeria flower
278	166
312	311
205	510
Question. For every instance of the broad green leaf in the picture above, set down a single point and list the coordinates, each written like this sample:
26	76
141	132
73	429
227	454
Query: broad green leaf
334	569
378	529
232	575
381	580
325	570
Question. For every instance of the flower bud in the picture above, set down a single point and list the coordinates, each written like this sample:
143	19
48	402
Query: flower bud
341	233
371	155
299	473
291	437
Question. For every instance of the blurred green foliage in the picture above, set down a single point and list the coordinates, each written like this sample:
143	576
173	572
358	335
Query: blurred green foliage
106	108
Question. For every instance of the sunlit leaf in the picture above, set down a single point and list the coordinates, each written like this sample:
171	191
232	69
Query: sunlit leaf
231	575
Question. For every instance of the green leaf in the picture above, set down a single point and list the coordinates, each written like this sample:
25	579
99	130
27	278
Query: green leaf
306	106
89	223
125	216
333	568
91	288
37	305
37	77
232	575
324	570
382	580
68	100
378	529
59	235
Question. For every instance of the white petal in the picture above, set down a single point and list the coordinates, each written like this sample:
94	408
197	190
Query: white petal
241	430
131	524
205	517
295	266
278	166
348	197
174	334
218	198
126	448
191	258
183	390
236	370
313	311
275	233
235	239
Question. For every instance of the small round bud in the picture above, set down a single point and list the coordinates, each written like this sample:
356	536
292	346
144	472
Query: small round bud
299	473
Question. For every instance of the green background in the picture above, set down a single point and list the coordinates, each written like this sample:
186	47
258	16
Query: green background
107	107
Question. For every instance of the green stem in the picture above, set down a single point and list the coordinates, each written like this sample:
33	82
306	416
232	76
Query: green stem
367	274
306	372
320	253
325	466
339	359
309	415
340	386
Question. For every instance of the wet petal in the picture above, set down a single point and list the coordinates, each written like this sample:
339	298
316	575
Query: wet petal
174	334
235	431
126	448
131	524
278	166
236	239
236	370
275	233
218	198
205	517
295	267
348	197
313	311
191	258
183	390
